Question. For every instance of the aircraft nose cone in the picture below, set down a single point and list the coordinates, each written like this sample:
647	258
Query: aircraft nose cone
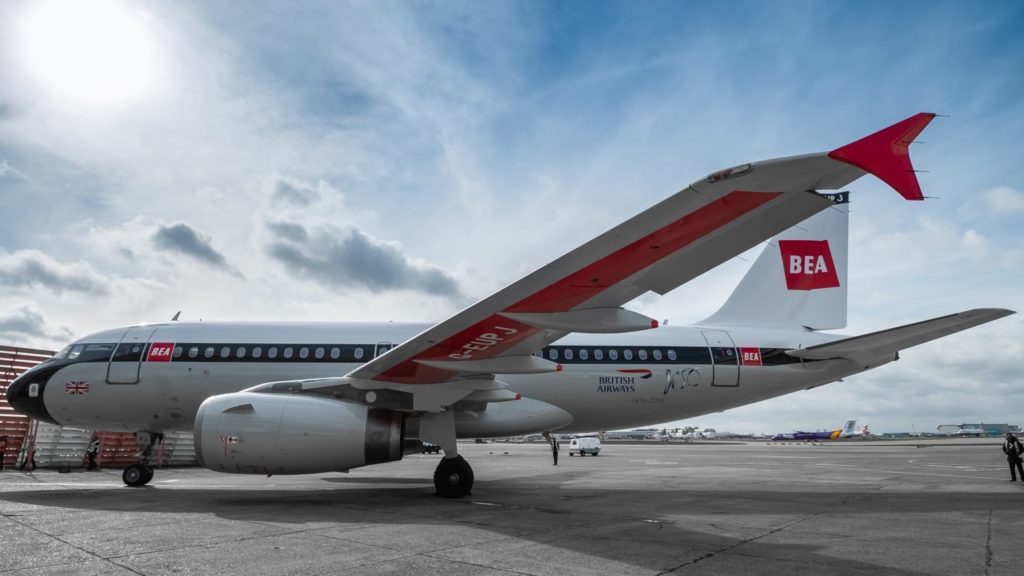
25	394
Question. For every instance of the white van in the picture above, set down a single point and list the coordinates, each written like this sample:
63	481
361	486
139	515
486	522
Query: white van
584	445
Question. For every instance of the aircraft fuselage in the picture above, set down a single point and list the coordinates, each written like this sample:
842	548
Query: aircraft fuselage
154	377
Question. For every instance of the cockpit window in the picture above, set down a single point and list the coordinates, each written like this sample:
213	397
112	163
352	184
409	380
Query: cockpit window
75	352
96	352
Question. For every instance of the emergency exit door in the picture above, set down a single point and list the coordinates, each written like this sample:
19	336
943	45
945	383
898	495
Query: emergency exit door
725	362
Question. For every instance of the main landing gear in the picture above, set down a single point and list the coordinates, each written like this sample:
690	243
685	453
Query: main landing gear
453	477
141	473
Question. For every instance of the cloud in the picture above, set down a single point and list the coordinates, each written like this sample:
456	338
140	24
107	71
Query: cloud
348	257
294	192
181	237
7	170
288	231
34	269
1005	200
27	321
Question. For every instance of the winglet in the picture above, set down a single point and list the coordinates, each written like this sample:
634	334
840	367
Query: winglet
885	154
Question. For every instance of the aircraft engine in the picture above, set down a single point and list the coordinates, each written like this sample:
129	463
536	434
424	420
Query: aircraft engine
255	433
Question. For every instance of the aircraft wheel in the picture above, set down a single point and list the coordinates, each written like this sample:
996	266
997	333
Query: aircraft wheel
453	478
137	475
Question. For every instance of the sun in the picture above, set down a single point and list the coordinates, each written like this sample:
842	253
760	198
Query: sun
99	52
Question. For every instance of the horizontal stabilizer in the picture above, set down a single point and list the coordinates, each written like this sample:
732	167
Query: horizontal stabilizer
885	342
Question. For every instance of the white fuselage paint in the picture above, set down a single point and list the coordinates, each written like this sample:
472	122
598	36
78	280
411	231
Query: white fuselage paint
598	396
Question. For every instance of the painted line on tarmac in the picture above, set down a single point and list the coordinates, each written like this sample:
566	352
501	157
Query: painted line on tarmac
903	472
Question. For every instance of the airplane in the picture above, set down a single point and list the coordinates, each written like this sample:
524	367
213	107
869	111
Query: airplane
975	431
849	430
553	351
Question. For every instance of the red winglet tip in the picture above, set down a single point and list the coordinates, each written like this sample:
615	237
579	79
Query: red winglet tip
885	154
558	368
654	323
519	396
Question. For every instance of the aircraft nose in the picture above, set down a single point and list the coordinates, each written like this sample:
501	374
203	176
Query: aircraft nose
25	394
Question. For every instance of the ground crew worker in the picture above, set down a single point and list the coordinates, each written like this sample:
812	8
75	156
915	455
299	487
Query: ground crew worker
92	451
3	450
554	446
1013	450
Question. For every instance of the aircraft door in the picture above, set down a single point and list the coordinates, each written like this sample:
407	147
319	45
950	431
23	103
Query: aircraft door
126	360
725	362
382	347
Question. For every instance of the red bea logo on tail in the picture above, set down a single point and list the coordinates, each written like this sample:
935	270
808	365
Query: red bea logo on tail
808	264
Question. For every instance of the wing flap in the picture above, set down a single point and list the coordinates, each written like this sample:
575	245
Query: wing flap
887	342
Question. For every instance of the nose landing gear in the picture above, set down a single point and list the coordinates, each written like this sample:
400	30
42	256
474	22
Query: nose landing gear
141	473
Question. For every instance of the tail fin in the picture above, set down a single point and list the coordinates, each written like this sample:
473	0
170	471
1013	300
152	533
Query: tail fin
850	427
799	280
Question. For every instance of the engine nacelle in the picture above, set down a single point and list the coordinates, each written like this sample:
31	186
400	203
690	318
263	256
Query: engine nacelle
255	433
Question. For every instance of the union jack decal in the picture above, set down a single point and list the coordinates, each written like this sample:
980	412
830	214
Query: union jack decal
76	387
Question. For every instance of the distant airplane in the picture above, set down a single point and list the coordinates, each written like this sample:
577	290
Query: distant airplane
971	432
849	430
553	351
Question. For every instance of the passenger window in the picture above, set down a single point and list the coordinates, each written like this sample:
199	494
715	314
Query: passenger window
178	350
225	351
552	354
598	354
568	353
319	353
657	355
193	352
584	354
240	353
627	354
613	354
335	353
272	353
257	352
208	352
359	352
303	352
642	354
672	355
288	352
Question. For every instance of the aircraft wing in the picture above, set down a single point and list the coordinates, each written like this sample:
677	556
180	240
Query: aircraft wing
692	231
887	342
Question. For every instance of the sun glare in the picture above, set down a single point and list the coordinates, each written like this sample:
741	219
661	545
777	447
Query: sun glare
99	52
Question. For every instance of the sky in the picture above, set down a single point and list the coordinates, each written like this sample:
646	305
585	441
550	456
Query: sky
398	161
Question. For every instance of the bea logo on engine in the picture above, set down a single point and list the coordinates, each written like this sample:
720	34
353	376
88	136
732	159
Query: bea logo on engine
808	264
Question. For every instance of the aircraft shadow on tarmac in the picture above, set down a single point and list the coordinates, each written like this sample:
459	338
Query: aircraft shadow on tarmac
599	522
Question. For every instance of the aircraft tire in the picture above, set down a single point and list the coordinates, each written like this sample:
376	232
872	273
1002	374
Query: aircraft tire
137	475
453	477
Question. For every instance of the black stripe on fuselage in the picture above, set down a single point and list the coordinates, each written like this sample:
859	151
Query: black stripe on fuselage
359	353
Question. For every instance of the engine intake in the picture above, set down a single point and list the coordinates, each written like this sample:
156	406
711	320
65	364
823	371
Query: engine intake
255	433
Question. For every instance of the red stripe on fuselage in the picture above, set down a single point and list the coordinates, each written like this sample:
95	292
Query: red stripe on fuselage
576	288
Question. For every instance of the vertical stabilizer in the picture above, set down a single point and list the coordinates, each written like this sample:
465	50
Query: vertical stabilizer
850	427
799	280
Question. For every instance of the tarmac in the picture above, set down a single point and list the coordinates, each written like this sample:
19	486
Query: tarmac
846	507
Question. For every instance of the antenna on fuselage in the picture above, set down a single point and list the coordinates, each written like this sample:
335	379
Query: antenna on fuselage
175	317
